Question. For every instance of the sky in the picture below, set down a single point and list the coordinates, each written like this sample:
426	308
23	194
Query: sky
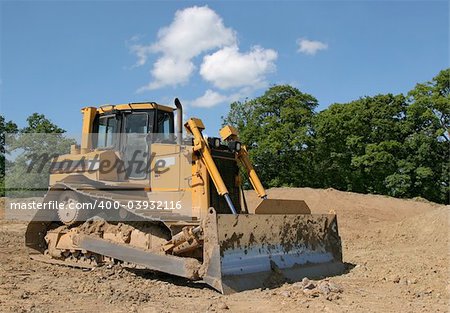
57	57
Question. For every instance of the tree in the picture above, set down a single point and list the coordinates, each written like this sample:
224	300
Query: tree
38	123
357	143
5	129
39	140
429	108
427	146
276	127
387	144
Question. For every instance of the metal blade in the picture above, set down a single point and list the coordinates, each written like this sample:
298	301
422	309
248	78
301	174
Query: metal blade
257	251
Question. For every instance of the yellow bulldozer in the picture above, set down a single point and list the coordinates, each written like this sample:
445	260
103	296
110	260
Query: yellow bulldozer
140	192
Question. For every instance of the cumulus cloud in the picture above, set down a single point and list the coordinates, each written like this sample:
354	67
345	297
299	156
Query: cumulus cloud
209	99
213	98
228	67
199	31
193	31
310	47
169	71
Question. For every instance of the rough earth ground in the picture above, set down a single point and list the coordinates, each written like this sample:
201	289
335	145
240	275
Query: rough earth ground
397	251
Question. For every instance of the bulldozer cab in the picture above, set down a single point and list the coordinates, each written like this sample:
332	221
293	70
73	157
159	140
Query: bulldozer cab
131	131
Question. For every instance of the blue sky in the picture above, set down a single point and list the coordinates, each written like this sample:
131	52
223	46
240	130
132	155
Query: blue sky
57	57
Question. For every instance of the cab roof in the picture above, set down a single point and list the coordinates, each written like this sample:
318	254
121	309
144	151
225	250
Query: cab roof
133	106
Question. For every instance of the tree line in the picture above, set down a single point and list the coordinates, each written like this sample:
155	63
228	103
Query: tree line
396	145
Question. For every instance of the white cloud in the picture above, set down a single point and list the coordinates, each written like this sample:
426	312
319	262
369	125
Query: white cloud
169	71
193	31
209	99
228	68
198	31
310	47
142	52
213	98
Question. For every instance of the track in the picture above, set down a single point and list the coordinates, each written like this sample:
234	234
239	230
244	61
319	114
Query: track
45	221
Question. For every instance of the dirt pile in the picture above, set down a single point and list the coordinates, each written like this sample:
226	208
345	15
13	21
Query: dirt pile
427	228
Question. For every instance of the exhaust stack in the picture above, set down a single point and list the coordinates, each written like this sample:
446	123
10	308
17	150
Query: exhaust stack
179	120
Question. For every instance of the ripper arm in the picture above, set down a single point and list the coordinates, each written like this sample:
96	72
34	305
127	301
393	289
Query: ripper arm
230	133
195	126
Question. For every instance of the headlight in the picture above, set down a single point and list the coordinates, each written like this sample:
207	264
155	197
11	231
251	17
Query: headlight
234	146
214	142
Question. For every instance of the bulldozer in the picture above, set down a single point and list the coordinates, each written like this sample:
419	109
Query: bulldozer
185	214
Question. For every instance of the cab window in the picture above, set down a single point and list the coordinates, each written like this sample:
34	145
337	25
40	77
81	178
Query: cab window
136	123
107	129
164	125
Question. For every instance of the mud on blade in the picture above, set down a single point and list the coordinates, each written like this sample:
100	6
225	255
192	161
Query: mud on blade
261	250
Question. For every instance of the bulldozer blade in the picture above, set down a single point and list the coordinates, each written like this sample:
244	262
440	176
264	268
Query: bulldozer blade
249	251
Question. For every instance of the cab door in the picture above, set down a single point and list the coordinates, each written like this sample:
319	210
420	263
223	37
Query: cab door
136	128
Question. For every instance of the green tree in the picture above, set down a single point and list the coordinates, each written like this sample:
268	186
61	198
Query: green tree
426	146
357	143
38	123
277	127
6	128
39	140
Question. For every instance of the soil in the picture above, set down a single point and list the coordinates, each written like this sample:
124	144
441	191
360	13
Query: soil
397	253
